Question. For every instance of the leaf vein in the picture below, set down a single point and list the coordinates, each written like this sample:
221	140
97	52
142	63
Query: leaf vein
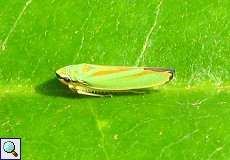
12	29
146	42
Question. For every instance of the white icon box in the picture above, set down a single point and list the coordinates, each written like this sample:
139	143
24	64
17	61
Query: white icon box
10	148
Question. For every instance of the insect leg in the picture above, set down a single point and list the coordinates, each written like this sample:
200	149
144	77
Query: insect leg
90	94
79	90
72	88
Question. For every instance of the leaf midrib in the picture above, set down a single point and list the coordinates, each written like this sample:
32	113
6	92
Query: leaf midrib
30	89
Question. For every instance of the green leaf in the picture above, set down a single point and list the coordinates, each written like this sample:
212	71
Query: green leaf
186	119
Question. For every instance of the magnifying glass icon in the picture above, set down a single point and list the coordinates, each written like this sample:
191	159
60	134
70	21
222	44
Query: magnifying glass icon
9	147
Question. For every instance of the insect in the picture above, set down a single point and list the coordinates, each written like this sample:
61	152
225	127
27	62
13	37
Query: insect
100	80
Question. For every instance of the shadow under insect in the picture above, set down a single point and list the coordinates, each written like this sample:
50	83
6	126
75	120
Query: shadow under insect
54	88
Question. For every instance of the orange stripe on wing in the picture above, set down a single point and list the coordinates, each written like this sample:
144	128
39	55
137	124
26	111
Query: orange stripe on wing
111	71
141	74
85	68
147	72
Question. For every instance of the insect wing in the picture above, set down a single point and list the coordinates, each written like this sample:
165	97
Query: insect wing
124	78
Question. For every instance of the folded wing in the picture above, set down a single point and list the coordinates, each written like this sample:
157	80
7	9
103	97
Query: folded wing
125	78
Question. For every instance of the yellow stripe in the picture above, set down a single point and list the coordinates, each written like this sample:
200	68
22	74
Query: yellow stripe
141	74
85	68
110	71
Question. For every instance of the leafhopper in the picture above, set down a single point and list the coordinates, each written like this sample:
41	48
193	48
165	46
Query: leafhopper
100	80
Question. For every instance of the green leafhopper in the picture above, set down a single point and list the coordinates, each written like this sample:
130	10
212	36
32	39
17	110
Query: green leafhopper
100	80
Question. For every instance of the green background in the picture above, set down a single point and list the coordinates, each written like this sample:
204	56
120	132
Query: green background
186	119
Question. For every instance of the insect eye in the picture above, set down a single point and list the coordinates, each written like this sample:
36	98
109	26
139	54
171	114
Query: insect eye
66	79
